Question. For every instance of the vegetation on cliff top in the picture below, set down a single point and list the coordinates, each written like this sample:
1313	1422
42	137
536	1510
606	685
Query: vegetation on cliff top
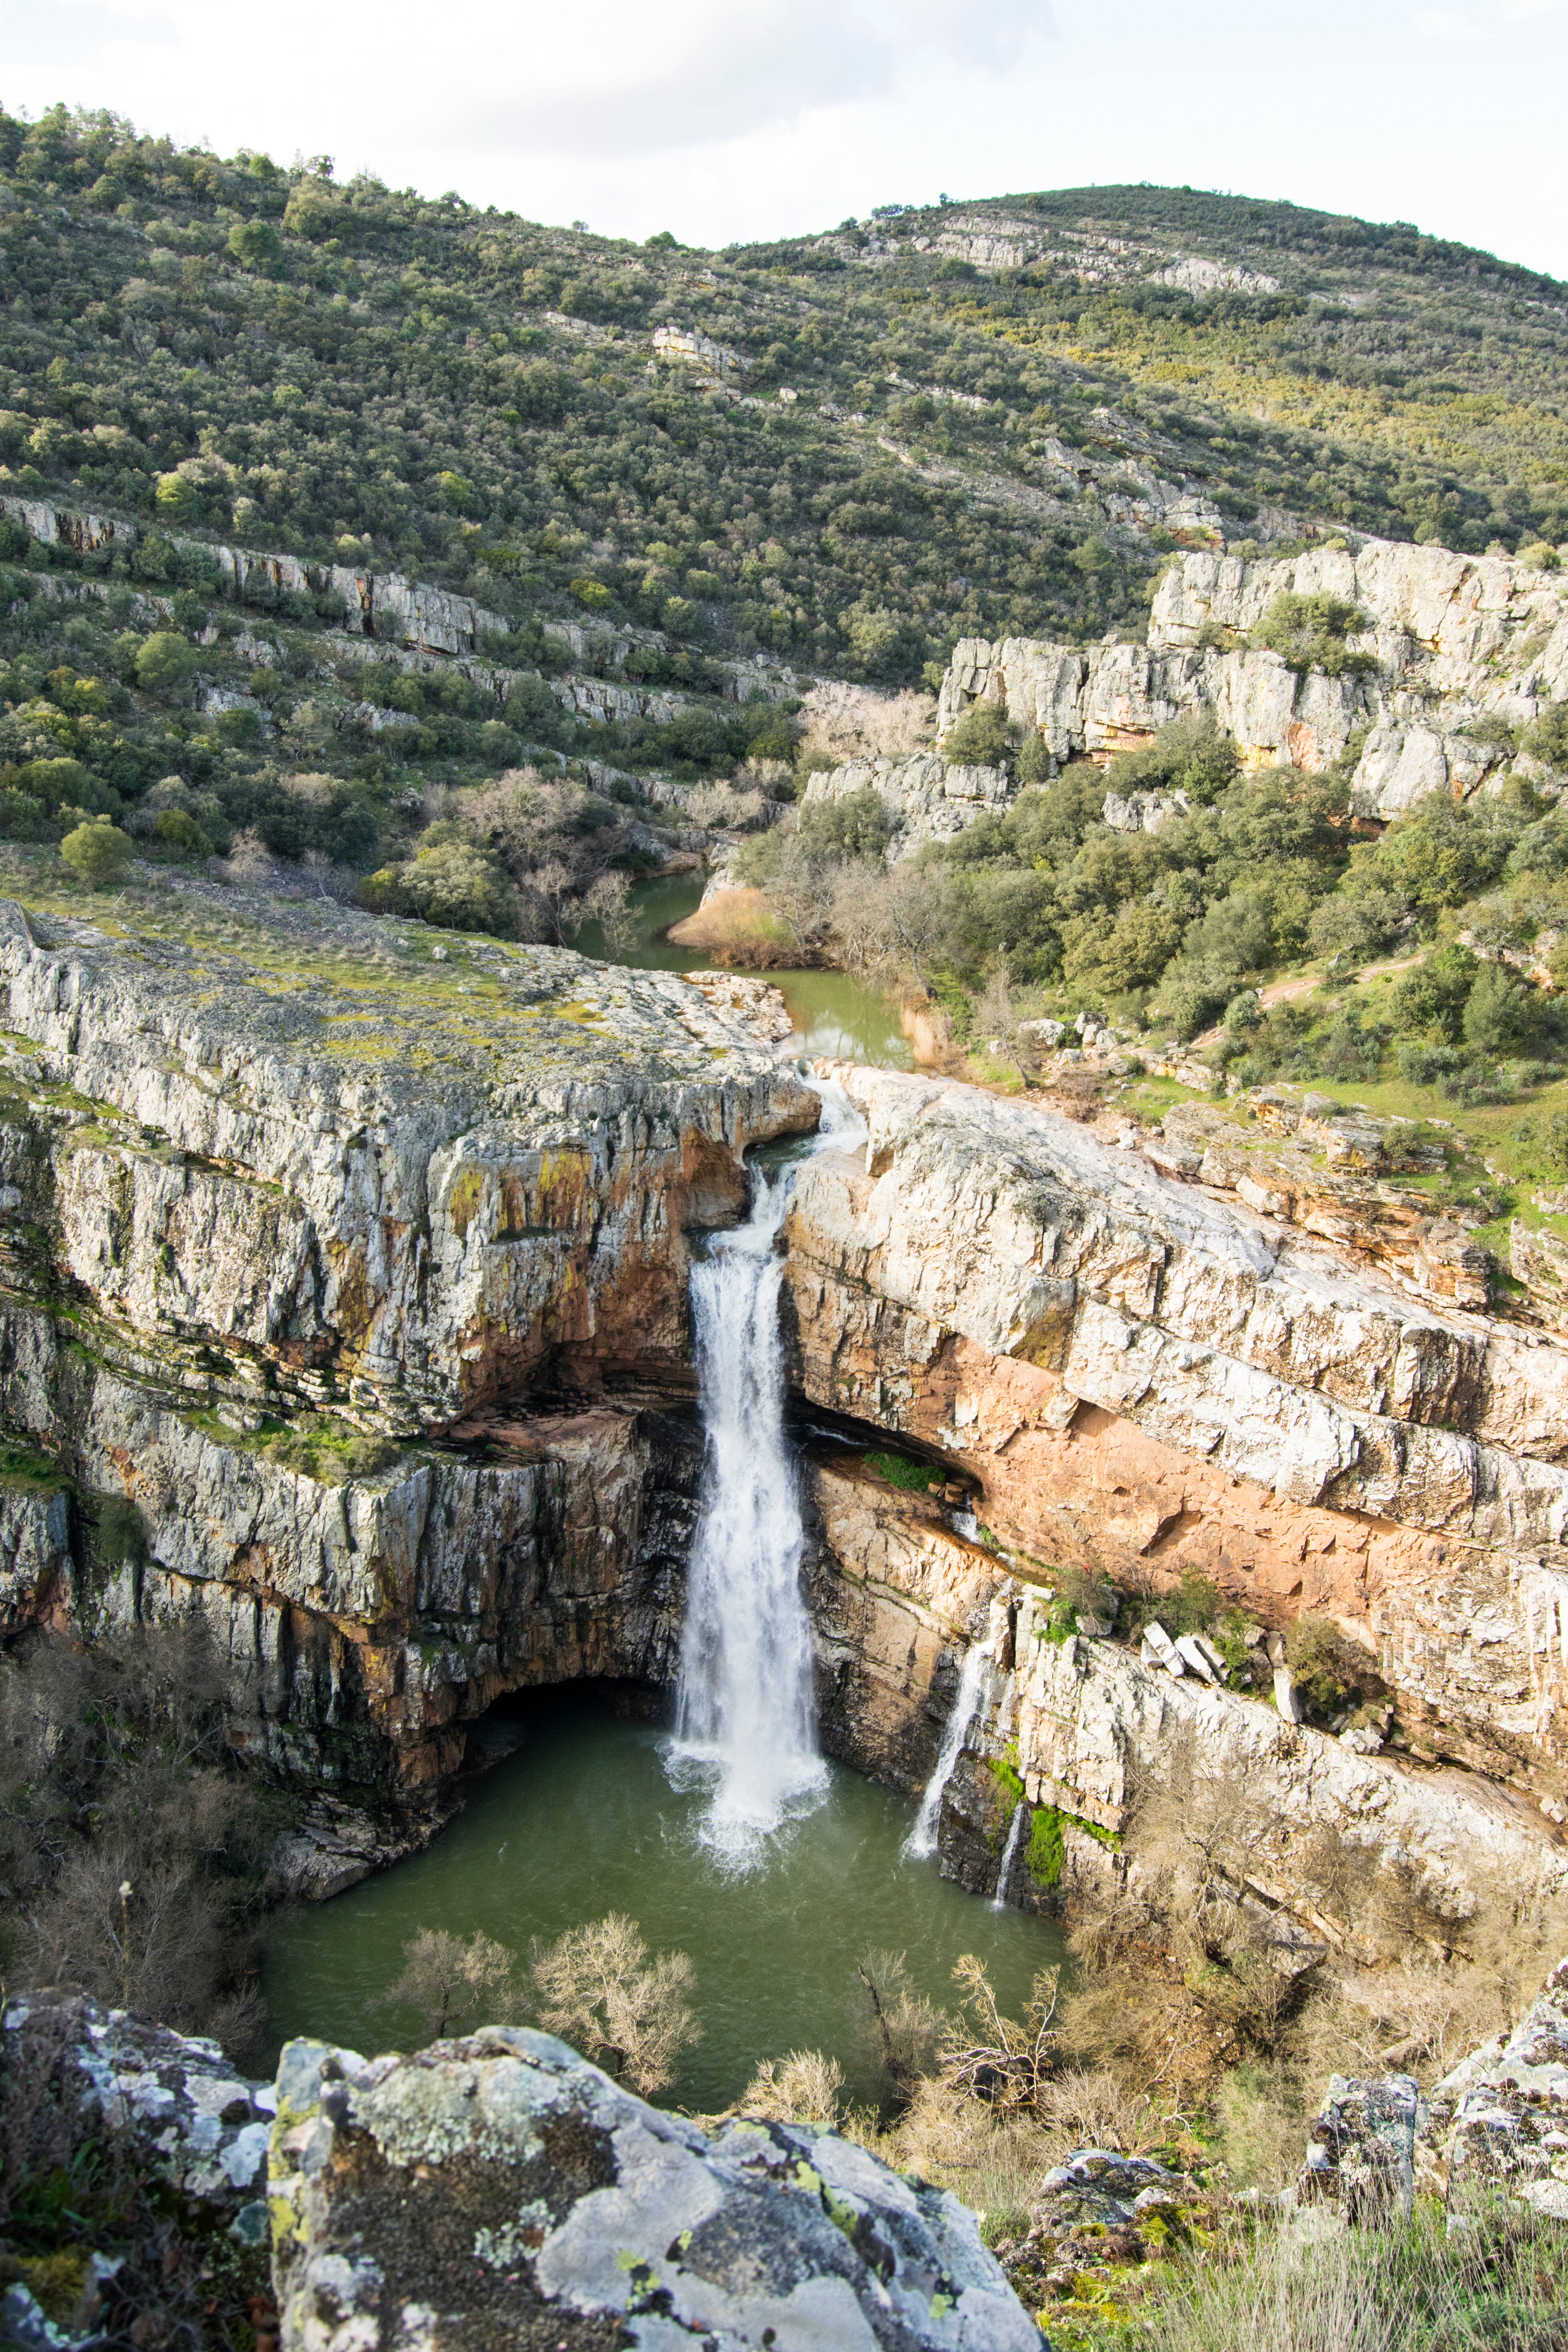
845	449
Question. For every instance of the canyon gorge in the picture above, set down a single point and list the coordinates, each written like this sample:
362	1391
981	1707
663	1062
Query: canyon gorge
431	1211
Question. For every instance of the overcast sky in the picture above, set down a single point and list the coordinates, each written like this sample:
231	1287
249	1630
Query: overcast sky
732	119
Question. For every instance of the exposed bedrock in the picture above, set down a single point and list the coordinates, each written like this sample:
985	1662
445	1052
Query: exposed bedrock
370	1295
279	1254
1081	1726
1447	640
364	1623
401	1197
1142	1377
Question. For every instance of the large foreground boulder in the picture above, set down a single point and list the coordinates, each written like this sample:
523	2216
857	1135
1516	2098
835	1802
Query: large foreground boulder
499	2191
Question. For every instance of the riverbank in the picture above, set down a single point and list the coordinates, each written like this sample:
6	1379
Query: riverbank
836	1017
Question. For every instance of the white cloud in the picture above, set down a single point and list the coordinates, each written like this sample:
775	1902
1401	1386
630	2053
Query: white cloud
629	77
678	76
724	119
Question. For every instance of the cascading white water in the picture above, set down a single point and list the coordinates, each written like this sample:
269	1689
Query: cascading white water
920	1843
745	1717
998	1901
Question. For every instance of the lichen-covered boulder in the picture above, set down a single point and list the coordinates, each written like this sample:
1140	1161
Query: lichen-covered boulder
1502	2114
1098	2221
1095	2186
1361	2151
501	2190
198	2123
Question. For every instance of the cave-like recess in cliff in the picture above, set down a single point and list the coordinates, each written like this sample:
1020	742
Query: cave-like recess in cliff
582	1819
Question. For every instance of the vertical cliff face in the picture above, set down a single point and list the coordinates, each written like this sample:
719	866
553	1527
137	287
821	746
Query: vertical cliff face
1076	1726
1447	640
284	1248
370	1300
1141	1378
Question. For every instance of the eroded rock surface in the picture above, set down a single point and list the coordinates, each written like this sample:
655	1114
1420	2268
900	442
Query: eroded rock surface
283	1224
1452	640
1495	2128
1142	1376
501	2190
1081	1724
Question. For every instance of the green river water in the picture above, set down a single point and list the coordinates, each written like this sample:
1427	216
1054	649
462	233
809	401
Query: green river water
581	1818
834	1015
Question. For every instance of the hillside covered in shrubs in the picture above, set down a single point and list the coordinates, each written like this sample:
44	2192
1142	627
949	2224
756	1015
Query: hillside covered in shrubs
852	447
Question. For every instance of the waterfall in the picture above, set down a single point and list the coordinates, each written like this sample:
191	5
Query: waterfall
921	1840
745	1718
998	1901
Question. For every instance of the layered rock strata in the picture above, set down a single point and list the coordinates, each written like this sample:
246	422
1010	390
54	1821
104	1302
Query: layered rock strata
275	1231
1457	653
365	1284
1459	650
1142	1377
1080	1729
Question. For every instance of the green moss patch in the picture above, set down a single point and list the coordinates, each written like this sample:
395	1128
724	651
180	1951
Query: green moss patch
899	1470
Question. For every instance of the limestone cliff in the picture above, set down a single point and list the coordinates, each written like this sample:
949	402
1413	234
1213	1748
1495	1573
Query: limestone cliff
357	1265
1140	1376
1080	1726
1457	650
1452	640
273	1223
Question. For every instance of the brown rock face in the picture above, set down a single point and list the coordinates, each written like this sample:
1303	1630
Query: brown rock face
1143	1380
894	1594
451	1250
900	1601
271	1248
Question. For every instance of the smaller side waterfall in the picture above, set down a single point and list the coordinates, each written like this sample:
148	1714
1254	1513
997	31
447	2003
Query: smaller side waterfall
920	1843
998	1900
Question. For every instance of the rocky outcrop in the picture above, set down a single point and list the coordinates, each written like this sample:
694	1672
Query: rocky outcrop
384	618
1092	1724
1361	2155
365	1288
1459	650
280	1236
501	2190
928	800
440	1190
1499	2121
1097	2221
1495	2129
1142	1377
1082	1727
201	2128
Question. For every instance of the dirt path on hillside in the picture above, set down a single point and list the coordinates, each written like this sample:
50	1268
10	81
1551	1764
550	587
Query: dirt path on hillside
1279	991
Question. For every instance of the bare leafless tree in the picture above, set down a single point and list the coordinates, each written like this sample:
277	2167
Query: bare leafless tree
451	1982
598	1986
